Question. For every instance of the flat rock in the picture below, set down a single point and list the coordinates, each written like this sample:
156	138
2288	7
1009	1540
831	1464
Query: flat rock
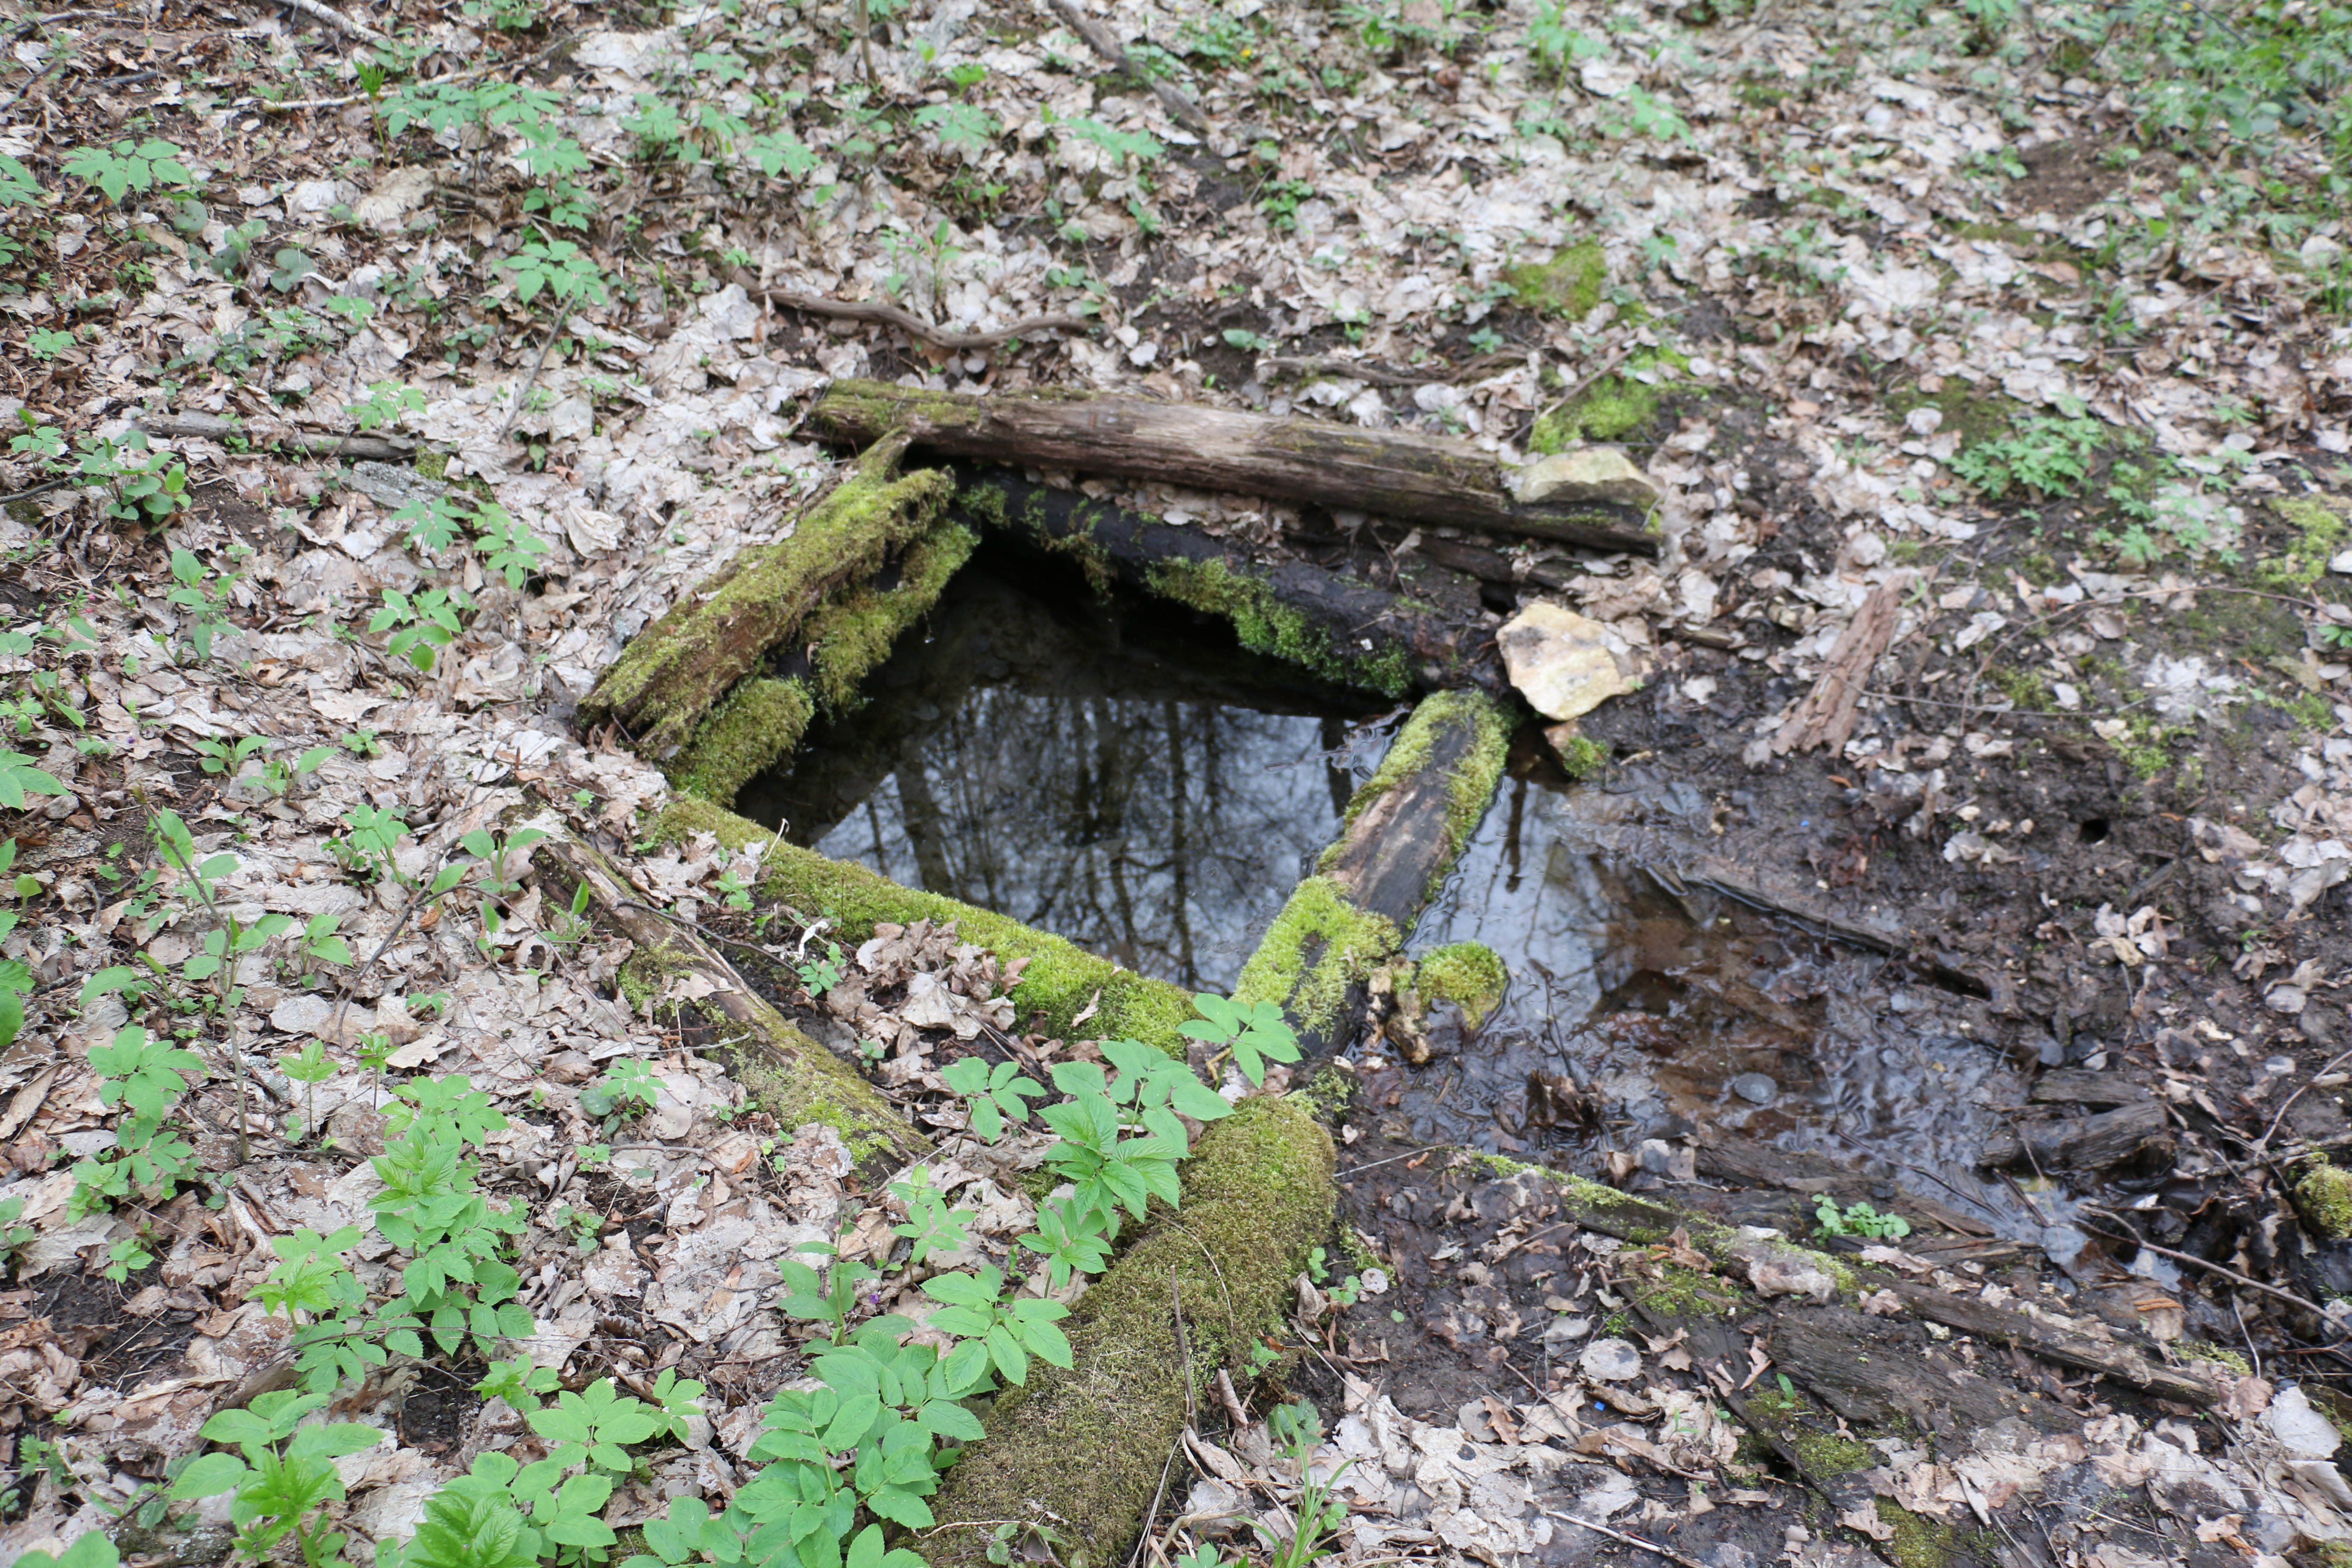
1566	665
1584	475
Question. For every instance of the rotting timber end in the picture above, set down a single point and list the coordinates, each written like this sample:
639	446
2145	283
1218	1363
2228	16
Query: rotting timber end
1403	830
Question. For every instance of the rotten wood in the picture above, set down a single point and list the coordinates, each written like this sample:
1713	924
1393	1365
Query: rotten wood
794	1077
1826	716
1392	473
2073	1086
1354	633
673	673
2084	1142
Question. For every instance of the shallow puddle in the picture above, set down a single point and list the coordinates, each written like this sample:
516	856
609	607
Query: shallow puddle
1112	769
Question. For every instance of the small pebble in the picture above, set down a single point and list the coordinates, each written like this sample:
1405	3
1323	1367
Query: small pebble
1756	1088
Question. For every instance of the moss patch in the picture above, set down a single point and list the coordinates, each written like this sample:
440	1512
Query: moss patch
1612	408
856	630
2319	533
1058	984
1470	975
1267	625
1316	947
2323	1197
1258	1192
1918	1542
1568	286
754	727
1581	757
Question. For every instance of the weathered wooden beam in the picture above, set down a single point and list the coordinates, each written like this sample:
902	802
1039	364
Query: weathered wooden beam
1404	831
1391	473
1342	629
674	671
796	1079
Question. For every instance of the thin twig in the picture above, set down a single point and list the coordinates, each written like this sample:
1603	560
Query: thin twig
2289	1297
906	321
2263	1144
1098	39
533	379
1668	1552
337	20
57	58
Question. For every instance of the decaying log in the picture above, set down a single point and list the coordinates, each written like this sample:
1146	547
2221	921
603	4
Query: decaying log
759	723
1063	991
1422	478
1342	629
2076	1086
2084	1142
796	1079
674	671
1825	718
1403	830
1083	1450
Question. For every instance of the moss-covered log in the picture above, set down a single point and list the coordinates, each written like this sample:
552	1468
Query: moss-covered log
1404	831
759	723
1342	629
675	670
1079	1452
1059	982
1394	473
793	1077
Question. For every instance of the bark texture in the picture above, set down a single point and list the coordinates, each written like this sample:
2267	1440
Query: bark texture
1342	629
1422	478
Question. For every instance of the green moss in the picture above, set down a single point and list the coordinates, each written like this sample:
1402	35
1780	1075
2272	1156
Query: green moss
856	630
2024	687
795	1101
1686	1293
1581	757
754	727
2322	1195
1059	982
676	669
1267	625
2220	1355
1611	409
1258	1192
2319	534
1975	418
1918	1542
1568	286
1316	947
1471	785
1470	975
431	464
646	973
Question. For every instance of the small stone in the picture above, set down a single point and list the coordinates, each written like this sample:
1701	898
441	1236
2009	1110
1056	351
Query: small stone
1755	1089
304	1015
1609	1361
2341	564
1566	665
1583	476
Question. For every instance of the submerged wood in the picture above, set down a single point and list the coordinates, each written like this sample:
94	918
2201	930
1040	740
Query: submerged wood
674	671
2084	1142
1342	629
1392	473
796	1079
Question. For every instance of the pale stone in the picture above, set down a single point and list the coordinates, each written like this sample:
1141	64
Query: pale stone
1585	474
1566	665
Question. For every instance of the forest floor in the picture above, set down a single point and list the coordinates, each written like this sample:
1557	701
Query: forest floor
2026	325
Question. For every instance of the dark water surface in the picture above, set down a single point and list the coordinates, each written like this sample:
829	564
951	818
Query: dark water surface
1114	770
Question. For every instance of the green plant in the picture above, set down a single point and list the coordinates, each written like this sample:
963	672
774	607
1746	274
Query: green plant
1297	1431
995	1331
819	975
1254	1033
127	166
419	626
826	1297
1858	1219
558	267
387	402
992	1096
2048	454
628	1080
930	1225
285	1478
309	1067
205	598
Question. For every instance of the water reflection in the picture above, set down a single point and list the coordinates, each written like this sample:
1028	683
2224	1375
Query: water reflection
1113	770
